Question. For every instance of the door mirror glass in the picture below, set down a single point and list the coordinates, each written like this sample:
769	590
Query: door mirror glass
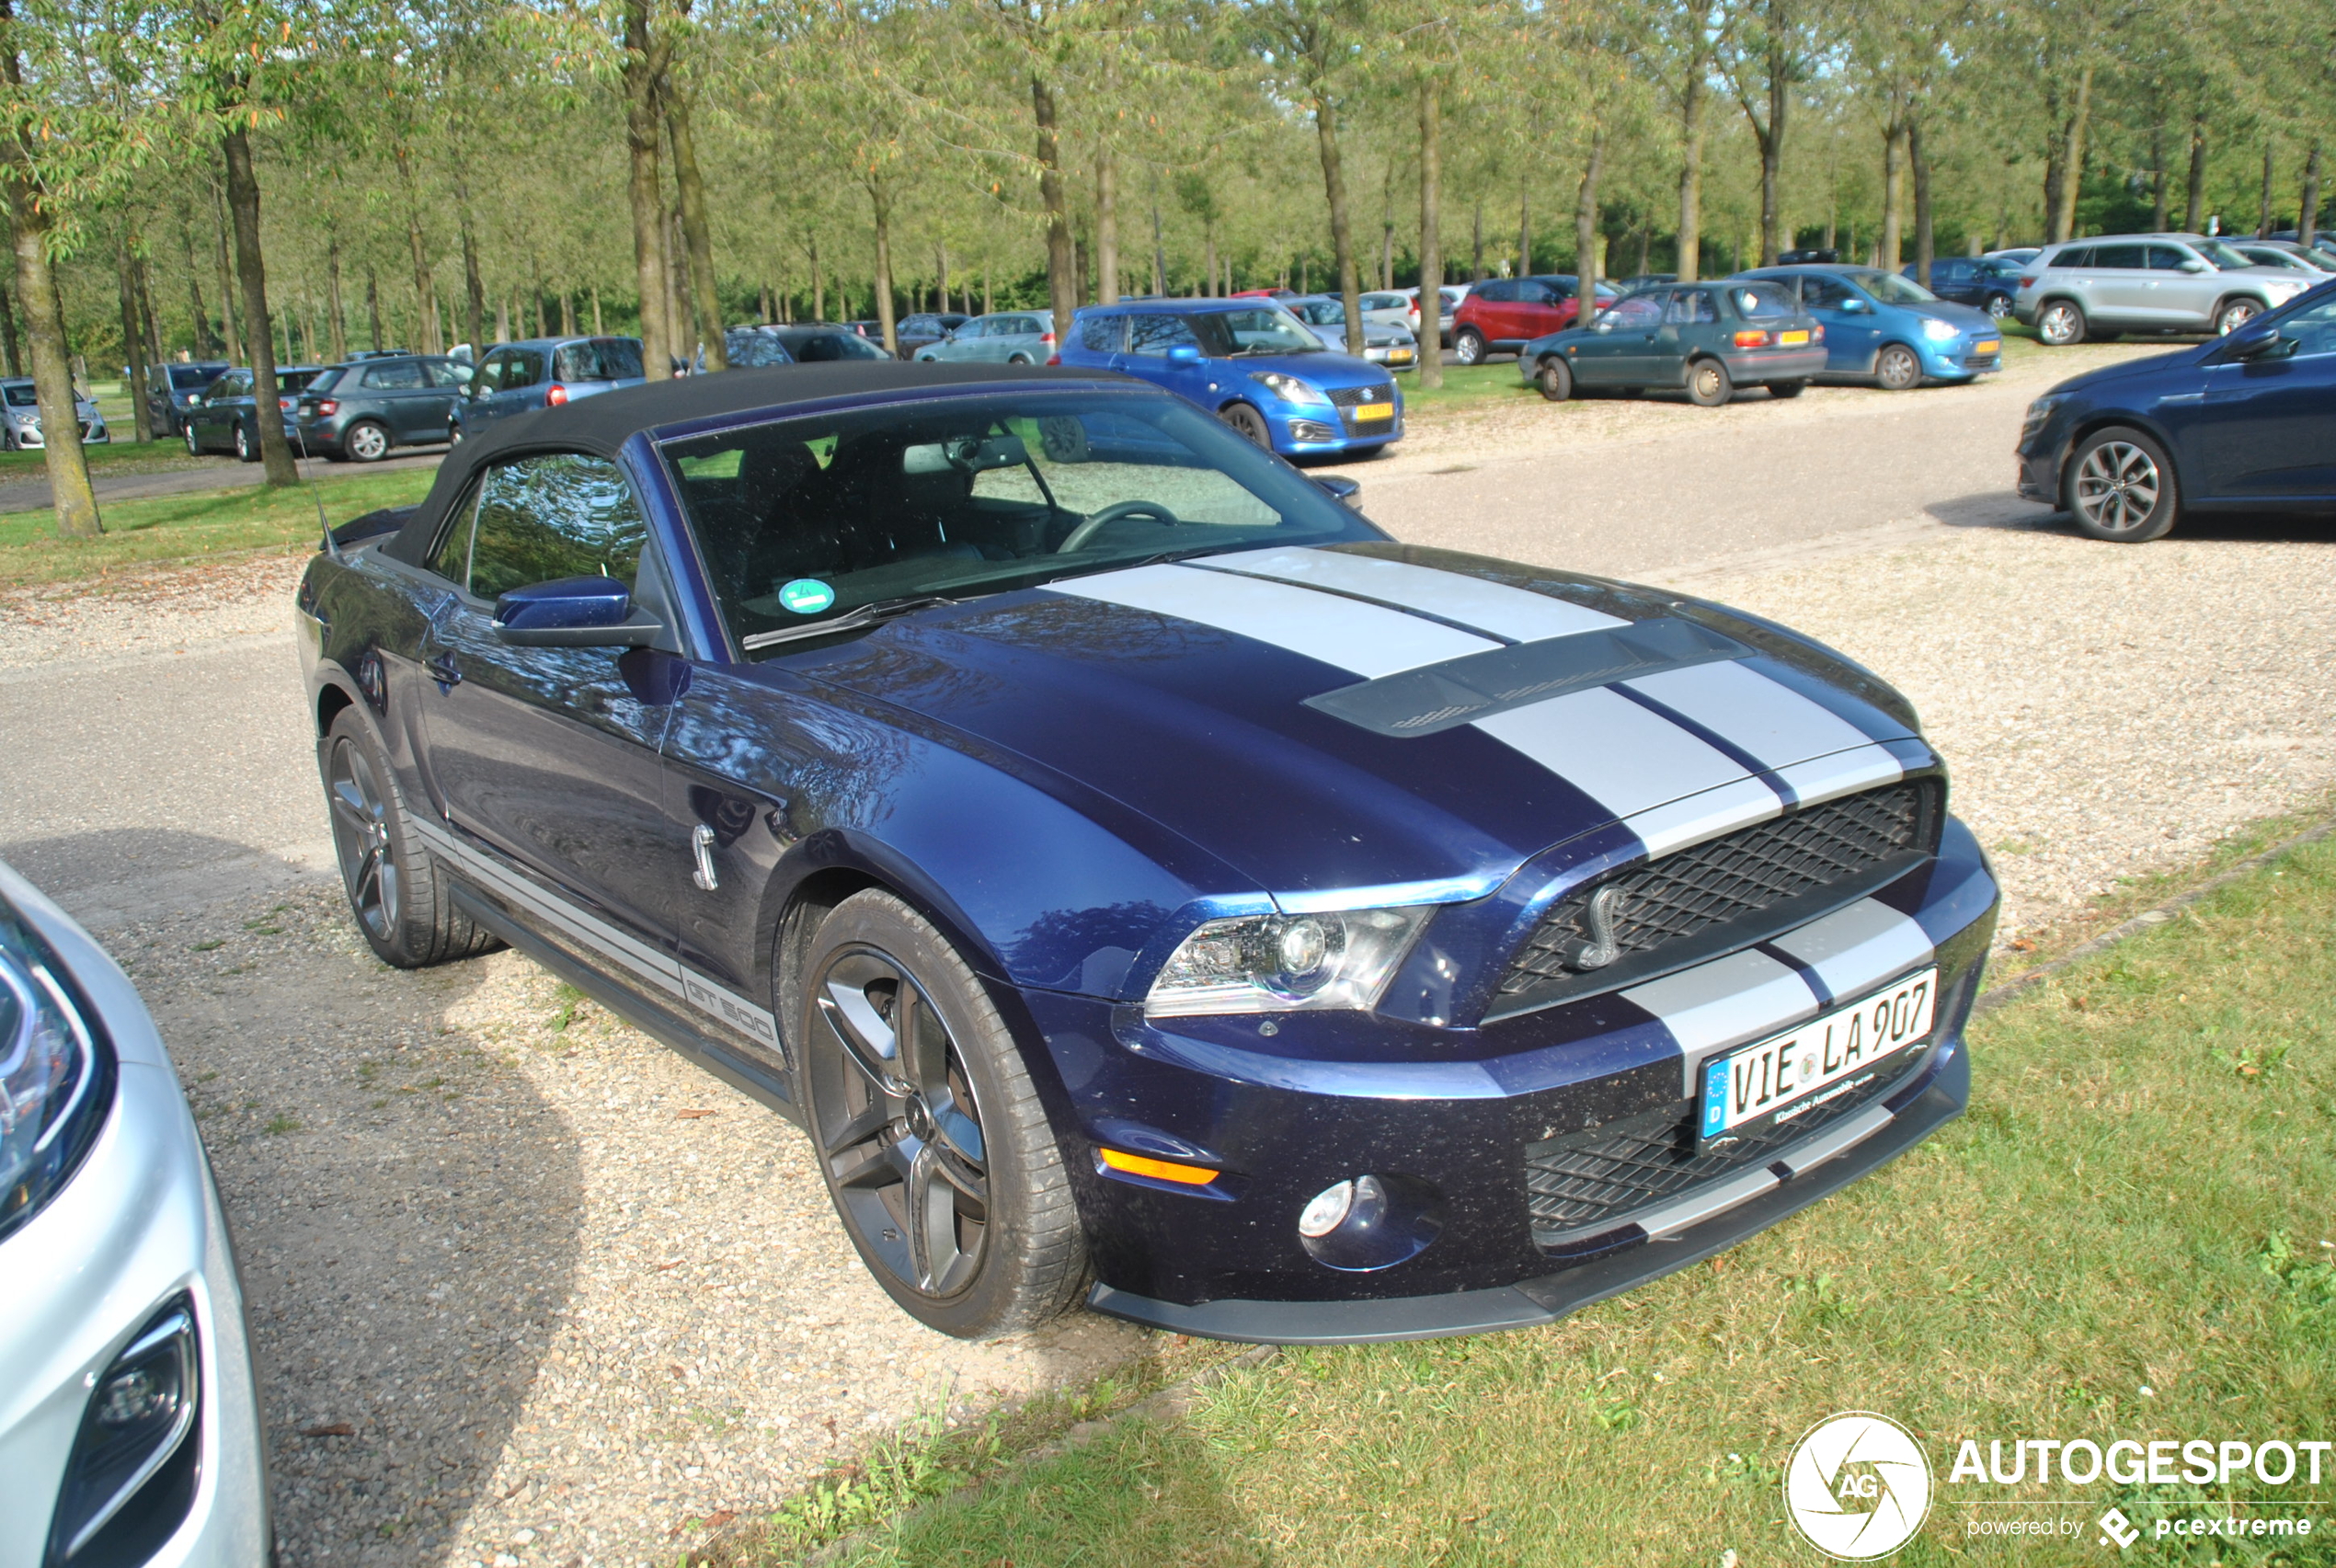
571	612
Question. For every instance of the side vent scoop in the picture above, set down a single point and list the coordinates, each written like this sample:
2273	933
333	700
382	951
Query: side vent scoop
1459	691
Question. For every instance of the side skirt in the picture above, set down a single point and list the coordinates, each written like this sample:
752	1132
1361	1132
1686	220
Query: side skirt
732	1066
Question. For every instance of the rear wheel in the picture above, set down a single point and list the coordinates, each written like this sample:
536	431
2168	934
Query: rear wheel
2061	323
246	449
1020	359
1709	385
1468	346
398	893
367	441
929	1130
1250	423
1898	368
2120	487
454	435
1555	380
2234	315
1997	305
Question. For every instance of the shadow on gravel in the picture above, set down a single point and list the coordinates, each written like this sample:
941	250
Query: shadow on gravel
1992	508
2005	509
82	870
406	1213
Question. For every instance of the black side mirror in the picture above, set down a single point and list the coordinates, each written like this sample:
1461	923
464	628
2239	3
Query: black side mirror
1339	487
572	613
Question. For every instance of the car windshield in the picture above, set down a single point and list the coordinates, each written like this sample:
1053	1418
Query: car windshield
193	378
811	347
1893	289
806	521
750	349
1256	330
601	358
20	395
2223	255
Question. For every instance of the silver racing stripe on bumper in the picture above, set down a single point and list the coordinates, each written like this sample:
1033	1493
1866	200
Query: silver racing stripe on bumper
717	1001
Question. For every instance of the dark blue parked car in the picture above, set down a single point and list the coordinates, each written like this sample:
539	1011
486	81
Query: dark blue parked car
544	372
1891	330
1251	363
1149	884
2245	422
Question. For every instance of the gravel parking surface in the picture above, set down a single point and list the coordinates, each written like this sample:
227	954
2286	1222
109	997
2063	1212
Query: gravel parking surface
529	1289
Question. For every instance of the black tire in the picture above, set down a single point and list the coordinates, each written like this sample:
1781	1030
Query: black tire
2120	486
1555	379
1709	385
367	441
2232	314
1998	306
399	893
1020	359
1249	422
246	449
2061	323
1468	347
1787	388
945	1169
1898	368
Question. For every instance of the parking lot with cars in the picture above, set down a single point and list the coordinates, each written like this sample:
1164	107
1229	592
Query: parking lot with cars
473	1207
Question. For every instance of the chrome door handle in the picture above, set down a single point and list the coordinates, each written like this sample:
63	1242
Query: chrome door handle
701	851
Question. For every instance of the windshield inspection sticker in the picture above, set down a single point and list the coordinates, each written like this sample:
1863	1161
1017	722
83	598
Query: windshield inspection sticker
807	596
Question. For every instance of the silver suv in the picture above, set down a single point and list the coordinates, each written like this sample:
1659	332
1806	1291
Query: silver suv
2099	288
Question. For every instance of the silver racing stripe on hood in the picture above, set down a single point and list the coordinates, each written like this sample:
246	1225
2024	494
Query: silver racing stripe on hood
1496	608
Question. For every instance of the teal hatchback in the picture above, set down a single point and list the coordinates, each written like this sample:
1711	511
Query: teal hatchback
1706	339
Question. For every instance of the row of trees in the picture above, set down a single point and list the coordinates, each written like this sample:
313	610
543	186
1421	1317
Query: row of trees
480	170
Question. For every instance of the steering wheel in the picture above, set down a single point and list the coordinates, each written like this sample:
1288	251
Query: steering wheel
1151	511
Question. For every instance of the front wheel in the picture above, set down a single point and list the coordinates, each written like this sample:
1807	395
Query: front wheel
2234	315
1997	305
399	895
246	449
454	435
1708	383
2121	488
1555	380
1468	346
1250	423
1787	388
1897	368
2062	325
929	1130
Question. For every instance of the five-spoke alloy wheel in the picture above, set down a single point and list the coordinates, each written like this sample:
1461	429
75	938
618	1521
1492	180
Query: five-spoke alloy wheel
928	1128
2120	487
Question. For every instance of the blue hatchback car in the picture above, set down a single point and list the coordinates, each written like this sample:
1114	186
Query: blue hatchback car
542	373
1891	330
1146	883
2245	422
1251	363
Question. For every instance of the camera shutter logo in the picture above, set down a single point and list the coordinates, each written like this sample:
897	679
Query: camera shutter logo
1858	1486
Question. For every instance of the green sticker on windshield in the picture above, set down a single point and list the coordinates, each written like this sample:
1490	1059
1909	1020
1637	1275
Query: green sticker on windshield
807	596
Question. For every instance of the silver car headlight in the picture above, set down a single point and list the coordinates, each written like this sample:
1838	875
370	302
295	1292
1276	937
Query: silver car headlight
1284	963
56	1075
1940	331
1289	388
26	419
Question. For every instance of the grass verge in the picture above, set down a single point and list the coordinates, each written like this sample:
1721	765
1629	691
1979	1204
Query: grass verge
200	522
2128	1237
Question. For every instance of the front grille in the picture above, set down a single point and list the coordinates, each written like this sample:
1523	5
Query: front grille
1733	878
1980	361
1348	397
1587	1182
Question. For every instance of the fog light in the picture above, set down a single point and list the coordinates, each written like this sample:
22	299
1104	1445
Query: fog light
130	1481
1329	1209
1370	1222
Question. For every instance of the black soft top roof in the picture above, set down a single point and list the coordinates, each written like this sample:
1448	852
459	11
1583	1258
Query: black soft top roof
603	424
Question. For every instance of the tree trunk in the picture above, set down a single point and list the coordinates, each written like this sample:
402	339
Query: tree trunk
681	316
2064	218
473	286
1586	231
1159	257
644	63
141	283
941	266
1524	233
67	465
243	205
230	326
1061	287
2308	208
1925	238
10	348
373	307
1431	250
598	330
134	338
1342	228
336	318
2158	190
1476	243
1691	248
818	283
880	205
1893	192
695	231
1208	246
1106	226
2195	207
194	293
2262	225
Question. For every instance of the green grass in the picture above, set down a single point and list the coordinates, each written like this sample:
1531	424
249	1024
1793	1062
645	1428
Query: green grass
2138	1200
1466	386
200	523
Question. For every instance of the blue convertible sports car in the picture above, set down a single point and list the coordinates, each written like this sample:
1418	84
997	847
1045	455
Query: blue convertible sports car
1147	884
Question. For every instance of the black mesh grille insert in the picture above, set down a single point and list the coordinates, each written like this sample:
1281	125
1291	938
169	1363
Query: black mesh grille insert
1347	396
1729	878
1587	1182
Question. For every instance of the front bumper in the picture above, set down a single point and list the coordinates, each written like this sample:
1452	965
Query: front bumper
1316	430
28	437
1457	1115
2039	463
1961	360
137	1226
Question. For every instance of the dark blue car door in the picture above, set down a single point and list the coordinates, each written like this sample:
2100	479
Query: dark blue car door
547	757
2267	425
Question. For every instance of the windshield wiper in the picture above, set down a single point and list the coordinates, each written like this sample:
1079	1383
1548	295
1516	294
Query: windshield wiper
851	620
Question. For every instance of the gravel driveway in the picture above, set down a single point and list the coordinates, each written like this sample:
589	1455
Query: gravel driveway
529	1288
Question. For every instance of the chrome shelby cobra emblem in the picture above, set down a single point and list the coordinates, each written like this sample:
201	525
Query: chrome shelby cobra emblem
1600	948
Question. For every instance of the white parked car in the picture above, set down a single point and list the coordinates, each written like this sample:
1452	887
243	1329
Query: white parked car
21	417
129	1416
2116	283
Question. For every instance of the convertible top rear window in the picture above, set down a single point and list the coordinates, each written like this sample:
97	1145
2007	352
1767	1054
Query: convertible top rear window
806	521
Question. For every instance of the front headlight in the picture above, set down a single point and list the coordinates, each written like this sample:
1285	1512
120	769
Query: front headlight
1289	388
26	419
56	1075
1940	331
2041	410
1283	962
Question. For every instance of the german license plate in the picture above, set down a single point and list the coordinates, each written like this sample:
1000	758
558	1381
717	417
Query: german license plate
1789	1074
1374	411
1992	346
1791	339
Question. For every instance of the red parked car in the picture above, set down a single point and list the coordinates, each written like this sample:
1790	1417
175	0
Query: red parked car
1502	315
